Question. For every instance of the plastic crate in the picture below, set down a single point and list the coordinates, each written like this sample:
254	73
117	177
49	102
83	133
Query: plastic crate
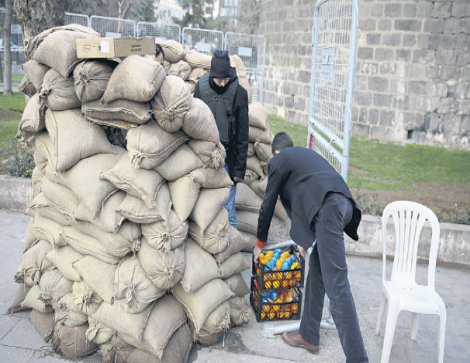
268	310
275	279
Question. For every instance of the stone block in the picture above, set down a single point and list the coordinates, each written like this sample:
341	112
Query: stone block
365	53
439	89
403	55
465	25
410	10
360	129
461	9
423	56
388	68
417	87
465	126
422	41
432	72
377	84
362	98
466	74
435	121
362	117
434	26
393	39
382	100
452	26
414	71
463	107
387	118
447	105
446	57
424	9
393	10
413	121
409	40
452	124
369	68
367	24
373	116
407	25
401	102
383	54
440	41
384	25
461	90
387	134
450	73
442	9
373	39
304	76
376	10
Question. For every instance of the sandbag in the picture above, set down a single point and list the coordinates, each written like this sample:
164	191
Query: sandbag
238	285
233	265
36	179
257	115
98	332
247	199
135	210
256	134
208	205
251	238
251	150
254	165
32	119
191	86
201	303
16	305
217	321
236	243
216	236
171	103
164	269
211	178
63	258
42	206
52	286
57	92
247	221
198	60
184	194
140	183
200	267
26	86
263	152
44	323
99	276
240	311
35	72
116	350
250	177
136	79
30	238
182	161
211	154
173	50
199	122
132	288
87	300
43	150
259	186
65	129
180	69
33	264
167	234
109	219
91	78
32	301
149	145
196	75
48	230
72	342
67	313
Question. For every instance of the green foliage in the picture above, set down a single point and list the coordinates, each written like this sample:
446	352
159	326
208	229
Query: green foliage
21	163
198	14
8	129
15	102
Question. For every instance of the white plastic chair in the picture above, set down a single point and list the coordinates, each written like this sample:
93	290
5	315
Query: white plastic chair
402	291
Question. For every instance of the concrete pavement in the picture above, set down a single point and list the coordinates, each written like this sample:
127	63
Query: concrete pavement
19	342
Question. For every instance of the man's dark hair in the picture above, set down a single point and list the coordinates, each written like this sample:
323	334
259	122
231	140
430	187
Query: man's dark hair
281	141
159	50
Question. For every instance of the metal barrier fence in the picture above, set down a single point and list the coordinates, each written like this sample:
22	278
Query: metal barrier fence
334	38
202	40
160	31
72	18
16	46
113	27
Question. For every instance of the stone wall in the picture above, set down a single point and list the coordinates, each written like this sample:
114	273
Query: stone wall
412	70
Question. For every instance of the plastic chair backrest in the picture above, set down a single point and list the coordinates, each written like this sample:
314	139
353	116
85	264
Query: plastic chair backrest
408	219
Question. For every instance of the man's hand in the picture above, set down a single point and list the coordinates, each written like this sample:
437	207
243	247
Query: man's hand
302	251
236	179
256	252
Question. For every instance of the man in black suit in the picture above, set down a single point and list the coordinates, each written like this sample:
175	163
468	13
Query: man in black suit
320	207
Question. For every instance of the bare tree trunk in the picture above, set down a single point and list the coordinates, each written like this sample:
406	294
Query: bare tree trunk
7	49
36	16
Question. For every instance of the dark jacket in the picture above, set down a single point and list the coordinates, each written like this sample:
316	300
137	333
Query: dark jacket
302	178
237	146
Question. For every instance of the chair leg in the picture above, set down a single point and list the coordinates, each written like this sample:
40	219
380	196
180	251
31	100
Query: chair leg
414	326
381	314
392	316
442	331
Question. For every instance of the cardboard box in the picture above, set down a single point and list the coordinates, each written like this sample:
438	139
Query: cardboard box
114	47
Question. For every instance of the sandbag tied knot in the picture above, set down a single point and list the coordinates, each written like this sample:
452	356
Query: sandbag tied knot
136	244
136	158
46	295
221	231
218	158
130	293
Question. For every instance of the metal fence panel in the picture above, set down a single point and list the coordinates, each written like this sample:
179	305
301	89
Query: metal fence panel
334	38
202	40
252	50
16	46
159	31
113	27
72	18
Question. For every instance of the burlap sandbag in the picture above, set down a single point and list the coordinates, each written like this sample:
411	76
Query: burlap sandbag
218	320
254	165
196	75
167	234
135	210
166	66
240	311
238	285
32	119
72	342
198	60
27	87
44	323
136	79
67	313
247	221
215	237
57	92
30	238
237	62
255	134
173	50
236	242
200	267
171	103
211	154
48	230
85	182
199	122
263	152
180	69
109	219
43	150
58	50
74	139
99	276
117	350
36	178
259	186
140	183
115	317
233	265
91	78
201	303
164	269
247	199
184	194
120	243
98	332
87	245
122	114
211	178
16	304
132	288
250	177
208	205
87	300
33	264
32	301
181	162
63	258
251	150
149	145
166	317
191	86
258	116
53	285
251	238
44	207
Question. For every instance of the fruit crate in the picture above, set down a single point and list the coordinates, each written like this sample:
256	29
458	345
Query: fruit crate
275	279
287	306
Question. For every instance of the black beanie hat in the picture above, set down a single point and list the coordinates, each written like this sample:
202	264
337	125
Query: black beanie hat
220	64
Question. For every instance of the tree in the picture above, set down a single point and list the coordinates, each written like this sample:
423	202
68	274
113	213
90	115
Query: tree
7	48
36	16
249	16
198	13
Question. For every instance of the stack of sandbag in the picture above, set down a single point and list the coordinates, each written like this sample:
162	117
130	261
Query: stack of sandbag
250	193
129	249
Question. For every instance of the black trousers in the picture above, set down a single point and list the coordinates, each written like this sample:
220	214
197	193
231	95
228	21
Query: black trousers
328	272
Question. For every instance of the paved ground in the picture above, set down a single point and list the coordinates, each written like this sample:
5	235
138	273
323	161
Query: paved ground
19	342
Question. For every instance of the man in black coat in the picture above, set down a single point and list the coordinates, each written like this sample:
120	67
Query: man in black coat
320	207
228	101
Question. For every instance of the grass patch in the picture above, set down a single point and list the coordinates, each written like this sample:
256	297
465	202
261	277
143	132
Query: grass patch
15	102
8	129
